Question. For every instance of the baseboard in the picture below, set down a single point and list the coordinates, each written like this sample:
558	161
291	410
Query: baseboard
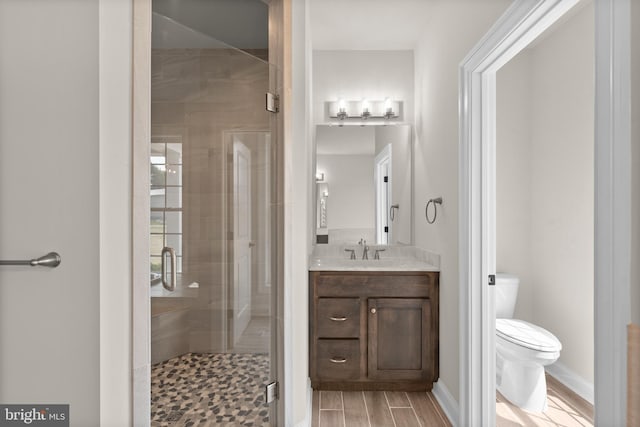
307	418
448	404
573	381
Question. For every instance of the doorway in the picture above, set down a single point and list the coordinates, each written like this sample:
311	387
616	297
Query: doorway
544	224
521	24
212	338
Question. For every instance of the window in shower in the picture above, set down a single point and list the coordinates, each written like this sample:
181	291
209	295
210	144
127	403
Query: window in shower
166	200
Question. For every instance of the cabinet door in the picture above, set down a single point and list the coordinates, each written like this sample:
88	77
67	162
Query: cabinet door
399	339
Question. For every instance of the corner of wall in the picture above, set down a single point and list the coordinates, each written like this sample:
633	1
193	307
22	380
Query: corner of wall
448	404
115	145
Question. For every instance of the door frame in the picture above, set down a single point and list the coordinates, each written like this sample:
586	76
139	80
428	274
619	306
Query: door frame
517	27
140	206
385	155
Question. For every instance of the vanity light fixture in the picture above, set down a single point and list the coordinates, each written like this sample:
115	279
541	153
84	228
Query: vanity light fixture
342	109
365	109
388	109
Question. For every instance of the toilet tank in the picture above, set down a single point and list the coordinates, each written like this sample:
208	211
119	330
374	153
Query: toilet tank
506	293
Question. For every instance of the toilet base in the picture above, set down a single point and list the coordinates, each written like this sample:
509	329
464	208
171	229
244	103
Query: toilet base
523	384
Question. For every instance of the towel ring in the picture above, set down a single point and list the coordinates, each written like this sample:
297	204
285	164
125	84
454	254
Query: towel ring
436	201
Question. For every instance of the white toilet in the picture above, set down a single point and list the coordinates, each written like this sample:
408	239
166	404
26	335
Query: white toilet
522	351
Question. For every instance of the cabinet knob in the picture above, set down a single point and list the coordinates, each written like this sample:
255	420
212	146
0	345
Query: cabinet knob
373	311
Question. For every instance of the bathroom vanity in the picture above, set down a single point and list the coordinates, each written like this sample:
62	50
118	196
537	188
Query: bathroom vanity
373	328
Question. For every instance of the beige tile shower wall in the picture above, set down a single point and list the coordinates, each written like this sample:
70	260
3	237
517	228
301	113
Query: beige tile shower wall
202	96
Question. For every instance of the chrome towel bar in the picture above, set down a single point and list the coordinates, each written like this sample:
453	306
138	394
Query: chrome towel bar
52	259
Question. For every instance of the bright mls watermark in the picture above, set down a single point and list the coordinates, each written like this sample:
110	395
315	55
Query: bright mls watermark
34	415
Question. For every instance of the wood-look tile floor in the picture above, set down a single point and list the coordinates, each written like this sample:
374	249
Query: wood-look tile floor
565	409
376	409
399	409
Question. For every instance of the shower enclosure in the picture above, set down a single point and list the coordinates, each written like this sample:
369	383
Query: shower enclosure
212	218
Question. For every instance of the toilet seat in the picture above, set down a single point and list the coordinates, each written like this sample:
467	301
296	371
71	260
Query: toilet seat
525	334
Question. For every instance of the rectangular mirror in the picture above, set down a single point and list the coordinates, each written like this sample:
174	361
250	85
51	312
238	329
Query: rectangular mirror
363	184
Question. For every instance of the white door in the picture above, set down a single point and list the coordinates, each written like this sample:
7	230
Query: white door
382	164
242	238
49	201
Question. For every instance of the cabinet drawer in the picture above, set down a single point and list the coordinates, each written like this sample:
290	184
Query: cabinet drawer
338	359
338	318
375	284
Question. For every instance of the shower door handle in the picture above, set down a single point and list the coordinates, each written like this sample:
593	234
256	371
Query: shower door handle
171	285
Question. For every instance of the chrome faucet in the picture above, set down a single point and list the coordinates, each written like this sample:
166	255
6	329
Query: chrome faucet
377	254
365	251
353	253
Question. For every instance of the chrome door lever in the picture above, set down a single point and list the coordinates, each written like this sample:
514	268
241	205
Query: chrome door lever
52	259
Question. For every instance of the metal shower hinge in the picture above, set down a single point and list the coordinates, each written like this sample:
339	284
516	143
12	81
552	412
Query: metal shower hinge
271	391
273	102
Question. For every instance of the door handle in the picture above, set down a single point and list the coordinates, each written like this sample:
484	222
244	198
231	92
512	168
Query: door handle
52	259
171	285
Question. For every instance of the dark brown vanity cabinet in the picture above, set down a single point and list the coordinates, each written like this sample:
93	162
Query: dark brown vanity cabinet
373	330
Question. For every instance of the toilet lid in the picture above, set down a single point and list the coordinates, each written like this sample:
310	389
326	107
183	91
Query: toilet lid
527	335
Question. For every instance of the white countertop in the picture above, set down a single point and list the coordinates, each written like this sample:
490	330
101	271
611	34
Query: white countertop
389	264
392	258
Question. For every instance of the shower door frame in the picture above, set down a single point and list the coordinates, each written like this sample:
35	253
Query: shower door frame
141	132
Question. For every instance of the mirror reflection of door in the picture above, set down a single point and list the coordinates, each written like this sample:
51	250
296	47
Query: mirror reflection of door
249	216
242	238
383	177
348	161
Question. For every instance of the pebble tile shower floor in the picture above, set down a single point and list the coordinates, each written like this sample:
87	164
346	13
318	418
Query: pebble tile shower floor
210	390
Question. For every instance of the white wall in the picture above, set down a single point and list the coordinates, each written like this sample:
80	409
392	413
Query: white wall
563	188
545	196
351	202
635	161
49	185
358	74
454	28
513	177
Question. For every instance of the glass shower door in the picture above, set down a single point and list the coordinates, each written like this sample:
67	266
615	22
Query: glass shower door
212	203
